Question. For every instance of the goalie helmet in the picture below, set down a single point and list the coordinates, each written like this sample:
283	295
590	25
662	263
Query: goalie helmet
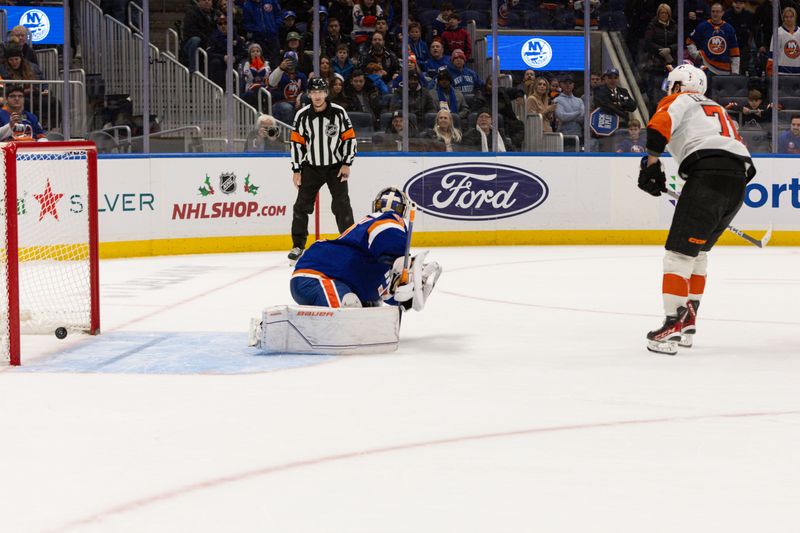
391	199
691	78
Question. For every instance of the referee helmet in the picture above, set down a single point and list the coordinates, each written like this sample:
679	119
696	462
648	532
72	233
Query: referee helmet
317	84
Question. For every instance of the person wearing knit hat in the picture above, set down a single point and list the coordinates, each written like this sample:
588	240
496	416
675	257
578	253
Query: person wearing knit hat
445	96
465	79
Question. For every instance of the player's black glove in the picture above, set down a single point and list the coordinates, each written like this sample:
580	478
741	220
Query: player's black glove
652	179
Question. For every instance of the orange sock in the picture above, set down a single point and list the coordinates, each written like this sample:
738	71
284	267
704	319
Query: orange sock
675	291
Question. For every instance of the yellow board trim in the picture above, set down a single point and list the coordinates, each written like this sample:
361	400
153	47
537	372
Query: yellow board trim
210	245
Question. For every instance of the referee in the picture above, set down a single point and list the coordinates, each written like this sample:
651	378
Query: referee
323	148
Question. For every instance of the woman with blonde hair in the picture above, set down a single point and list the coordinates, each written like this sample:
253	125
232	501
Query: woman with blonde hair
538	102
444	131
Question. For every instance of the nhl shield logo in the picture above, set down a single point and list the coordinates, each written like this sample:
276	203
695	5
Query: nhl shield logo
331	130
227	182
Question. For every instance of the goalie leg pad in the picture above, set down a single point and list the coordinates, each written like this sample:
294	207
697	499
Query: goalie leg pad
300	329
313	288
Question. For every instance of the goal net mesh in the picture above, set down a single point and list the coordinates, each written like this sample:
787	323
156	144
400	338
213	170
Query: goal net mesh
53	241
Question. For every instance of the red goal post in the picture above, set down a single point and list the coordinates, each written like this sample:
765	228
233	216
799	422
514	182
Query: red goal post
49	271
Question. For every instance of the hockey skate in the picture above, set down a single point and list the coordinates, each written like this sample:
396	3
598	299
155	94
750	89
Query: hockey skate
666	338
688	330
294	255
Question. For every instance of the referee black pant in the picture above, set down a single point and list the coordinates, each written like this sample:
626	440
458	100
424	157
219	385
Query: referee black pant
312	178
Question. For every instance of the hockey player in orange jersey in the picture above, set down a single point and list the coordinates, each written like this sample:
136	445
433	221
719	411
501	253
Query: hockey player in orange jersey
716	165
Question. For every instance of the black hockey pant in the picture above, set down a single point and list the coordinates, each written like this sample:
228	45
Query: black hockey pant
312	178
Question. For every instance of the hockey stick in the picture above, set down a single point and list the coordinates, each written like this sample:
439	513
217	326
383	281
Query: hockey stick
752	240
407	259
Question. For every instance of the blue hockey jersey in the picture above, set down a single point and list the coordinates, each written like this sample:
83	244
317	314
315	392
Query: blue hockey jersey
361	256
717	45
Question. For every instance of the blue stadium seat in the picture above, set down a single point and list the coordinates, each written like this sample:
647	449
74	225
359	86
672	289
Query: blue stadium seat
788	85
756	140
362	123
728	86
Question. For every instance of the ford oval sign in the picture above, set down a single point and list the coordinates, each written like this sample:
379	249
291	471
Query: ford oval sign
476	191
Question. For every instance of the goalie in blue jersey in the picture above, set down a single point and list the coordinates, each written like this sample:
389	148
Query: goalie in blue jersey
364	266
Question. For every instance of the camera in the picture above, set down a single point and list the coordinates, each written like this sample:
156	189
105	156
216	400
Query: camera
272	132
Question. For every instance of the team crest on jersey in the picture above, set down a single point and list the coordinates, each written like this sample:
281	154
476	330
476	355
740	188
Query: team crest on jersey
717	45
331	130
227	182
292	89
791	49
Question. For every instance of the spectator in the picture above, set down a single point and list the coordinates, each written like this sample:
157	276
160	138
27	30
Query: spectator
394	133
455	37
437	60
694	13
198	23
362	95
538	102
308	36
342	10
343	65
505	109
445	96
389	40
742	21
378	54
218	51
336	38
336	94
444	131
634	142
661	45
480	137
266	137
788	45
375	73
420	100
365	16
789	140
755	111
19	36
439	25
16	67
417	46
594	6
527	80
555	88
260	22
325	71
570	110
638	13
397	82
713	44
595	81
15	122
509	13
763	27
465	79
288	25
255	73
287	84
614	99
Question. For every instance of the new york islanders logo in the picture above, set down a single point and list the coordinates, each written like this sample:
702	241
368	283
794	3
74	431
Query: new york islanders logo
791	49
717	45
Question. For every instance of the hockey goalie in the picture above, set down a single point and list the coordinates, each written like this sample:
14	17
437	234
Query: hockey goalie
351	291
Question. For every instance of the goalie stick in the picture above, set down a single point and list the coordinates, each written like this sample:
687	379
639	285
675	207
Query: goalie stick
761	243
407	258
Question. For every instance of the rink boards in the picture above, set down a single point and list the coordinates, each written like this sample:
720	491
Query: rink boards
174	204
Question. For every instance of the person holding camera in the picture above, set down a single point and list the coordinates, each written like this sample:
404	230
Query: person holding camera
323	148
16	123
266	137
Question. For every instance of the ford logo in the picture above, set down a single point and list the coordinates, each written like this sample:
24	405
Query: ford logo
476	191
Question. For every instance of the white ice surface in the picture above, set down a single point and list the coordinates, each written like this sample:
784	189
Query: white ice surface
521	399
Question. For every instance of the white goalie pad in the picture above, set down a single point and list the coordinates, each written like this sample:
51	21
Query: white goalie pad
422	279
303	329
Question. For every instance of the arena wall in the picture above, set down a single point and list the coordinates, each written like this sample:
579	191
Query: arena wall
158	204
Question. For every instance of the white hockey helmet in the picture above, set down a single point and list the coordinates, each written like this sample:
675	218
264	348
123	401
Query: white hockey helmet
691	78
391	199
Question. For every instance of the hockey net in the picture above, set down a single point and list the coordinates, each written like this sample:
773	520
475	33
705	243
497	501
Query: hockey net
48	275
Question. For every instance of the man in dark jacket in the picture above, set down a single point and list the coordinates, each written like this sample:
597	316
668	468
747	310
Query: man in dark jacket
742	21
614	99
377	53
198	23
420	100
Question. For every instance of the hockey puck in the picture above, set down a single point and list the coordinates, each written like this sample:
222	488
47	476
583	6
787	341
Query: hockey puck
61	333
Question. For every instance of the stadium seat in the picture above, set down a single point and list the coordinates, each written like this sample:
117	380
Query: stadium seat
728	86
790	102
788	85
756	140
362	123
427	17
480	18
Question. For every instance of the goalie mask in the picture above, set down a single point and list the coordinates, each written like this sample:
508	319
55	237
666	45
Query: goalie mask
691	78
391	199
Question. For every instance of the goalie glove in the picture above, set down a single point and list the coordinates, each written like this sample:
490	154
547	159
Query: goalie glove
422	279
652	179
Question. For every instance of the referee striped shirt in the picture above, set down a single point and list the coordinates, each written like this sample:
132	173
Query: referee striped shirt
322	139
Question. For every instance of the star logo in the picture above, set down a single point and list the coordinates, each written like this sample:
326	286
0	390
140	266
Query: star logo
48	201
